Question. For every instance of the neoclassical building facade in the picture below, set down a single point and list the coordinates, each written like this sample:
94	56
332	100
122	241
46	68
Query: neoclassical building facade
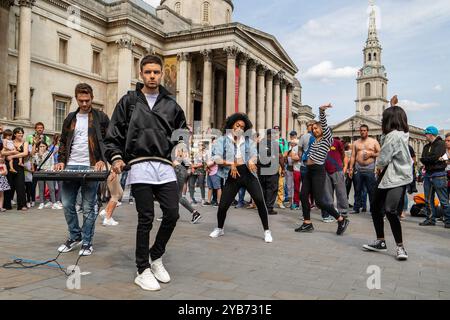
213	66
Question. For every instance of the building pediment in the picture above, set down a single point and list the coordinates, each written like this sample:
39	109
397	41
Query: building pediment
269	42
353	123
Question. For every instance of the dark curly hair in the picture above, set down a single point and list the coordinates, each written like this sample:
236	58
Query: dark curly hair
231	120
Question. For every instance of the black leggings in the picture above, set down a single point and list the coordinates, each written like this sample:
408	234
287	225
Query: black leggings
313	183
230	190
386	203
17	183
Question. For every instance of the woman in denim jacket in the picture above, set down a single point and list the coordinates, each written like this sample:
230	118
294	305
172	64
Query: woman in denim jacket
236	155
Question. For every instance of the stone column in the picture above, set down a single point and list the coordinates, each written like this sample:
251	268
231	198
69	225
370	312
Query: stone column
207	89
269	100
276	101
4	80
261	98
283	110
220	99
290	92
243	59
24	61
125	65
251	111
183	94
232	52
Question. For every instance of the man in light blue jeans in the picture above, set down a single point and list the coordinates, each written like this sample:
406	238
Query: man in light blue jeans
89	197
81	148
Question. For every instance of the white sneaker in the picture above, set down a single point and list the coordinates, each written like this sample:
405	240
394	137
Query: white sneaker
41	206
147	281
217	233
110	222
86	250
32	204
159	271
268	236
48	205
102	213
55	206
329	220
281	206
28	205
118	204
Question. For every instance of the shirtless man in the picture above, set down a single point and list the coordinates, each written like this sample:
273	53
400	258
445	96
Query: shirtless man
362	167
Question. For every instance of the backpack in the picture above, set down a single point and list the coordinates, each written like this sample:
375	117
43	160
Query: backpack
418	210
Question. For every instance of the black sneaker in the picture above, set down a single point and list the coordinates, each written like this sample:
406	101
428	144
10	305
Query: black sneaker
273	212
86	250
427	223
206	204
196	217
69	245
305	228
377	246
342	226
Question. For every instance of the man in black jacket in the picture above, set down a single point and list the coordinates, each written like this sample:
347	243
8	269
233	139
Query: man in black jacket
435	179
81	148
139	139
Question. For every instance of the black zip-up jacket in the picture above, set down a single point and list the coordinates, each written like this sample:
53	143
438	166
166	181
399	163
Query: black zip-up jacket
431	154
98	125
138	134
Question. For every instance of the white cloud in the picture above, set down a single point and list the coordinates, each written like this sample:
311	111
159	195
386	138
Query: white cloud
326	70
342	33
154	3
437	88
417	106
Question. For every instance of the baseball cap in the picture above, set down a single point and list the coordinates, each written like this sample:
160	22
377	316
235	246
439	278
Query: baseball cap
293	133
432	130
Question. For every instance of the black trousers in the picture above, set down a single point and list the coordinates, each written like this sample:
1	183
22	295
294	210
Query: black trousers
144	195
17	183
29	191
269	185
313	183
230	190
386	202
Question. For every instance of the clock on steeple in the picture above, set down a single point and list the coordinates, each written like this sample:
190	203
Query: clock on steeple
372	79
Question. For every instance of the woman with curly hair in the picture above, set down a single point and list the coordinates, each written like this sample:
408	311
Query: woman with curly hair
236	155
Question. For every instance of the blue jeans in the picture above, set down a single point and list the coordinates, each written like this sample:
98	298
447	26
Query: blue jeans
69	192
436	186
242	195
363	180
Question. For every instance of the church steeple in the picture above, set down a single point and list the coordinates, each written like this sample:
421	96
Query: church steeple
372	78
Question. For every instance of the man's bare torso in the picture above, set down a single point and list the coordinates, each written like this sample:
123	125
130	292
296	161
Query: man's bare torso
363	148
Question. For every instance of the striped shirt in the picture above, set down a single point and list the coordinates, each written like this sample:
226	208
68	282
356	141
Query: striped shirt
319	149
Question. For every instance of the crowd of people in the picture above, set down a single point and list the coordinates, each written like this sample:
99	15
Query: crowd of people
138	148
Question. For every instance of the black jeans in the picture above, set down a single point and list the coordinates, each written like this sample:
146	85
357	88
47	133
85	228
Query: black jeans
230	190
144	196
313	183
269	186
17	183
386	202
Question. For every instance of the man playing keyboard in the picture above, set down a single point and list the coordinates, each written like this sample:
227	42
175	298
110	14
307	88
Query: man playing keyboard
81	149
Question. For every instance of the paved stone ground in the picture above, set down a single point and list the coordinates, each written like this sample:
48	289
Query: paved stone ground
237	266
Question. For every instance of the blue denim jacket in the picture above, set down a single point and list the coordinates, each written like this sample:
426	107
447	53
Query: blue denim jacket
224	143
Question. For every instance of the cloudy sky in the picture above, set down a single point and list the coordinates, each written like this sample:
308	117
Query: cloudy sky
325	38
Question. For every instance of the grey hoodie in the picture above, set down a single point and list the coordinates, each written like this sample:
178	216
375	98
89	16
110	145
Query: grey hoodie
395	156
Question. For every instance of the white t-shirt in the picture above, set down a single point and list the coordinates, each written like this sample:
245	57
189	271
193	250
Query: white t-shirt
151	172
79	155
297	164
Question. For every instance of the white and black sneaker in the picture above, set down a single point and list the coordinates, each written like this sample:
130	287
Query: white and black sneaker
86	250
377	246
69	245
402	255
196	216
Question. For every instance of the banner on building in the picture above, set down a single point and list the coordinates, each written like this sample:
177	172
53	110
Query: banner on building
236	103
170	74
